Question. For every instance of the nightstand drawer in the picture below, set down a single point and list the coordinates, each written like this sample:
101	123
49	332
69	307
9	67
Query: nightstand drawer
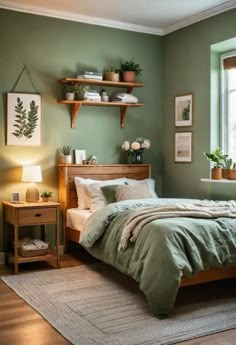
37	215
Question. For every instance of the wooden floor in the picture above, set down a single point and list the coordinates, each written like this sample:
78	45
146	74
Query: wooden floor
20	324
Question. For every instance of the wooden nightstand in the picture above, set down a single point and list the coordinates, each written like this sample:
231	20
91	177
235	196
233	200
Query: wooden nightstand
28	214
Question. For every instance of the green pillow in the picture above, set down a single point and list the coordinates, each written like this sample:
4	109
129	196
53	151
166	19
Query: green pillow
110	192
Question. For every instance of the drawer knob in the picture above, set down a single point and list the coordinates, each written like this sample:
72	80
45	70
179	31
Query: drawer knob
37	214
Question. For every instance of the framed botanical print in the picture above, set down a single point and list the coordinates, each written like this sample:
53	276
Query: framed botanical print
183	147
184	110
23	119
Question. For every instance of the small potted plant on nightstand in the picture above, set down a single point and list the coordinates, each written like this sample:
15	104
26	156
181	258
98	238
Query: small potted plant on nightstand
66	157
217	158
46	195
129	70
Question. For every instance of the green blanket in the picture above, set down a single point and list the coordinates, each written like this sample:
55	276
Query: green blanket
165	250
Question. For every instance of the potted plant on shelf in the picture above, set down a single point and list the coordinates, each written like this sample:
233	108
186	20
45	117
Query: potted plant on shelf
66	157
80	91
46	195
129	70
217	158
113	74
70	90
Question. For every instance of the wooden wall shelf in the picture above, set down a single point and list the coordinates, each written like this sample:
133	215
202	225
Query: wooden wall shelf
76	105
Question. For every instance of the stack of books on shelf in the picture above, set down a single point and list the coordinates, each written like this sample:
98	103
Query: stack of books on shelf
90	75
92	95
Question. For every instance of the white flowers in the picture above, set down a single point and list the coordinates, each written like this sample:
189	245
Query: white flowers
140	144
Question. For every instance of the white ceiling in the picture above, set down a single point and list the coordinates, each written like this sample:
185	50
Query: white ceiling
157	17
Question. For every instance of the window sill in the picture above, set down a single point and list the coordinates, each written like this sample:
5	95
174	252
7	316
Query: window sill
217	181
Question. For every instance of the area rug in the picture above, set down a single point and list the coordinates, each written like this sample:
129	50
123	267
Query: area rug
96	305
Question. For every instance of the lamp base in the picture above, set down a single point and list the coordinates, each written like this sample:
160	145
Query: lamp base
32	193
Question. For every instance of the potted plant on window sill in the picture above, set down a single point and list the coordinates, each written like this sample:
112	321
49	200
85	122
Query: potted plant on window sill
129	70
217	158
227	168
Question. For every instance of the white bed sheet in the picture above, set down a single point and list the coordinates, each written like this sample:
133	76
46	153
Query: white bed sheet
76	218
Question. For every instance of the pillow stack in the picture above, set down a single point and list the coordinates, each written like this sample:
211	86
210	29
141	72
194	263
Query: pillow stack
94	194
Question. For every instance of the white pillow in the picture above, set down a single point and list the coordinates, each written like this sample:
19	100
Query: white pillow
83	202
131	191
150	182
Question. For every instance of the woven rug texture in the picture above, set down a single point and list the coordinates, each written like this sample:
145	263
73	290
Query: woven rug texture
96	305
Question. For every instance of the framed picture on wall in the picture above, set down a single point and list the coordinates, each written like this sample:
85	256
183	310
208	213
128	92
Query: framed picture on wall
23	119
184	110
183	147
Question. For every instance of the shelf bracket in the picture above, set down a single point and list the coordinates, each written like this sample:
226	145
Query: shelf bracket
123	110
74	110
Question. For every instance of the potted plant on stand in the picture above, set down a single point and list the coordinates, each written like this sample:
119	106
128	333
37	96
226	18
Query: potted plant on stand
129	70
66	157
217	158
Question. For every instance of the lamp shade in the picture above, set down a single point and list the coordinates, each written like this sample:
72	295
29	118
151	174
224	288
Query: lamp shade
31	173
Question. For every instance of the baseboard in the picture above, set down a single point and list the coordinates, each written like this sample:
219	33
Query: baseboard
2	258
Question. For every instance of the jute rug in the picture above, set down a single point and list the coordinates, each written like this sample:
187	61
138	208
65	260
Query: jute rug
95	304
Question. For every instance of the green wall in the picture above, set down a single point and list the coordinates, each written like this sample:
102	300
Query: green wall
191	60
53	49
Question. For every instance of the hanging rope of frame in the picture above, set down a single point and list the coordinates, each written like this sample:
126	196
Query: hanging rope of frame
25	69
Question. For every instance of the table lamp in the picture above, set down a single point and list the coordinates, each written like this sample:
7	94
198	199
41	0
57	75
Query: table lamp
32	174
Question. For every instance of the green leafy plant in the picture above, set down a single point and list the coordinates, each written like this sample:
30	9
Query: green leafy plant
186	112
25	123
80	91
228	163
114	69
46	194
65	150
131	65
217	157
70	88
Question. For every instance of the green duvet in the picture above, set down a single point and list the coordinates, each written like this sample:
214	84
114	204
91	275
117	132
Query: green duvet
165	249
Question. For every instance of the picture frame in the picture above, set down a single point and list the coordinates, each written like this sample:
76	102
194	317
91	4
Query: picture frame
183	147
80	156
184	110
15	197
23	119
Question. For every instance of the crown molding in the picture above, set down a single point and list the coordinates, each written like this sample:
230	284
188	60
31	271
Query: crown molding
78	18
117	24
229	5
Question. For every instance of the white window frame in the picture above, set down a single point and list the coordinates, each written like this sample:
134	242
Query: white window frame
224	104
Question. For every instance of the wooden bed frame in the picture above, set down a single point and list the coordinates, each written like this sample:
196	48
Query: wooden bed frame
68	199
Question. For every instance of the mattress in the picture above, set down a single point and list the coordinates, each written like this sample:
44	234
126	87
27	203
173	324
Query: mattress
76	218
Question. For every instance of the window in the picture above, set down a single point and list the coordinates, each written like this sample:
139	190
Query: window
228	104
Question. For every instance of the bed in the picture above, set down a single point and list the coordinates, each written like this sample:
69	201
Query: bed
68	199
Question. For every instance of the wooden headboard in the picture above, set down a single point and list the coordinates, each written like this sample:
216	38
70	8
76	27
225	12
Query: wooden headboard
67	173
